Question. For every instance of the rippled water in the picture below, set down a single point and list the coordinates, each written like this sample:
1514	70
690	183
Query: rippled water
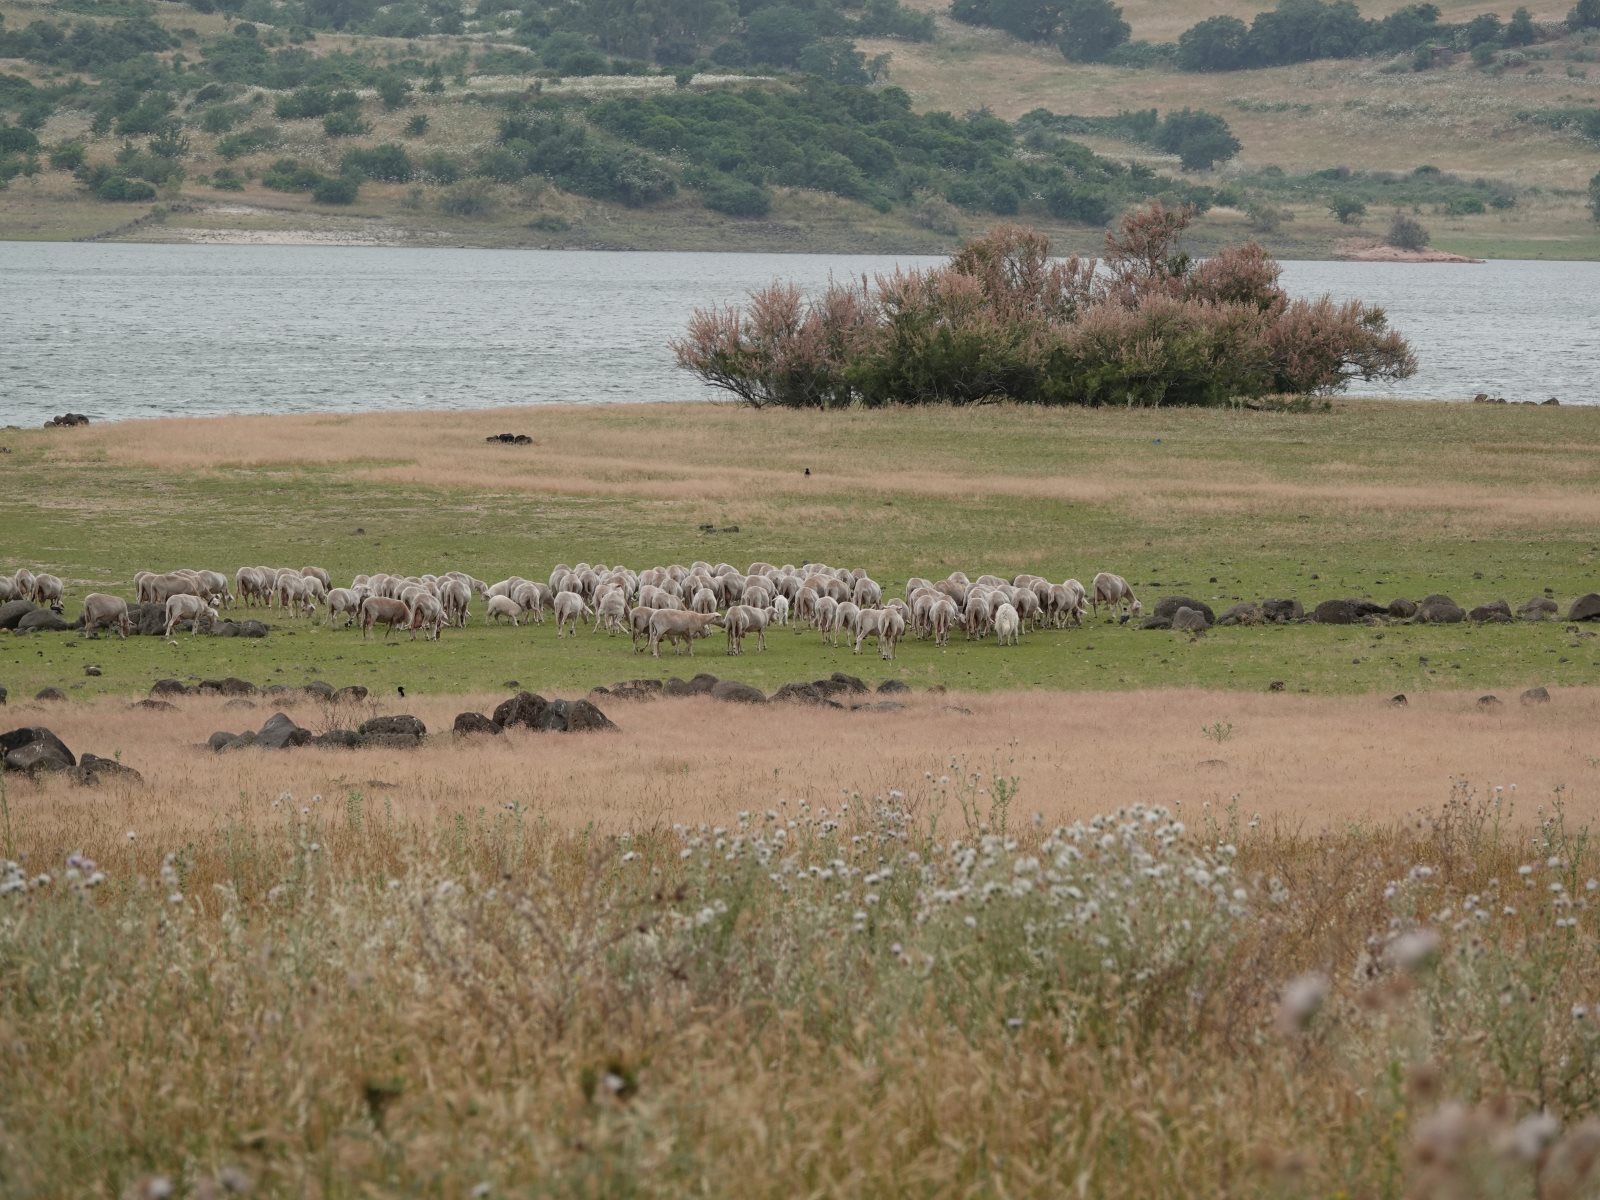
121	331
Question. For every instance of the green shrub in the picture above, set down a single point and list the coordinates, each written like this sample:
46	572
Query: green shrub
120	187
1349	209
1407	233
1462	206
346	122
389	163
226	179
235	145
67	156
417	125
290	175
1265	218
17	141
1594	196
549	223
470	198
440	168
736	198
337	189
315	101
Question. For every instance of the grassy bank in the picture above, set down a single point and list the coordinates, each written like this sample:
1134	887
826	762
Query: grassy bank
334	996
1369	500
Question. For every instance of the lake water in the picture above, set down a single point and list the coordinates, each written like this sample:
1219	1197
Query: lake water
123	331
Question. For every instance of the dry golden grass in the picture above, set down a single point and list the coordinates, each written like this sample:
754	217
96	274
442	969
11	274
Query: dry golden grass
1299	762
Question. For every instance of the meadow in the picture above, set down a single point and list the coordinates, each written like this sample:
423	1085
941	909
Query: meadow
1105	917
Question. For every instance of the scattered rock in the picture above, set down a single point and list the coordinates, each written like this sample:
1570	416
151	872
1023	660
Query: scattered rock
1283	611
958	710
1538	608
1245	613
522	709
1489	701
891	687
879	706
510	439
92	770
226	687
169	687
41	620
66	421
805	693
1584	608
1167	607
340	739
34	749
354	694
1402	609
13	611
469	723
1155	622
584	717
1277	685
155	705
1440	610
252	629
1189	620
1497	611
280	732
700	685
93	672
220	738
850	682
737	693
1336	612
1212	763
318	690
3	695
1398	700
239	702
147	620
50	695
635	689
1536	695
237	742
402	730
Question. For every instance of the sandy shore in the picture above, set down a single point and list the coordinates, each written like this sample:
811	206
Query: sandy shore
1365	251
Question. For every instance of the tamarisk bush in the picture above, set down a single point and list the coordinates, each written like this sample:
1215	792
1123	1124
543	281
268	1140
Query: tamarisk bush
1143	325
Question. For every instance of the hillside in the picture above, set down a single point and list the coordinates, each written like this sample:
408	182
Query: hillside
511	131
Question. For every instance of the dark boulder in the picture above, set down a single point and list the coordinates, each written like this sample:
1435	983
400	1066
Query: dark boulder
42	620
1536	695
169	687
1155	622
252	629
220	738
634	689
678	689
353	694
225	629
1242	614
239	702
226	687
155	705
1402	609
879	706
522	709
1167	607
1283	611
280	732
92	769
804	693
397	730
238	742
66	421
850	682
34	748
1398	700
583	717
13	611
735	692
1538	608
1497	611
469	723
1189	620
50	695
318	690
339	739
1336	612
1489	701
147	620
1584	608
1440	610
890	687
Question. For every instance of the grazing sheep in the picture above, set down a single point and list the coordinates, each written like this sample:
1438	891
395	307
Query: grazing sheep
866	594
823	619
1113	590
744	619
943	615
346	601
780	609
977	614
427	614
680	627
101	611
8	588
639	624
319	575
705	601
570	609
886	625
382	610
22	582
532	598
186	607
48	590
456	597
1007	623
611	610
502	606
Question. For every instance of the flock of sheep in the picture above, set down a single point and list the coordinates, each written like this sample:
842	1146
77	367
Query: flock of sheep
674	604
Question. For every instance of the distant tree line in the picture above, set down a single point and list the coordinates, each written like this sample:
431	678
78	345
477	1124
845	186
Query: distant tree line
1200	139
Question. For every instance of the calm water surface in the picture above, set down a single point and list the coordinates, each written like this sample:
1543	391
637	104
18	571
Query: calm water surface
122	331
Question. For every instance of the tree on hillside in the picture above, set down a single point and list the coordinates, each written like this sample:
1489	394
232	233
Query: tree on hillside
1348	209
1483	29
778	34
1215	44
1585	14
1520	30
1200	139
1594	196
1091	29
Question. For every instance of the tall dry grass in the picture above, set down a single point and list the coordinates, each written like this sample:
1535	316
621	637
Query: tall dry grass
910	991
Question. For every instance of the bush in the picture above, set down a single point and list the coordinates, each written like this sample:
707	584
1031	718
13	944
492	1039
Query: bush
1003	320
314	102
338	189
120	187
346	122
226	179
389	163
1200	139
1091	29
1215	44
1407	233
440	168
1264	218
736	198
67	156
235	145
473	198
938	214
1349	209
1594	196
394	91
17	141
289	175
1585	14
417	125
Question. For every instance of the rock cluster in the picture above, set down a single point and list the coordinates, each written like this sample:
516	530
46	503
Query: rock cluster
34	750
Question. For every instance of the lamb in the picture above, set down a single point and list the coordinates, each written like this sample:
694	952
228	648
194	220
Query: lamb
677	626
1007	622
186	607
382	610
780	609
102	611
1113	590
503	606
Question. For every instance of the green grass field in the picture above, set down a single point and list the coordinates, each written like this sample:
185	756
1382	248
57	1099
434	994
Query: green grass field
1371	500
